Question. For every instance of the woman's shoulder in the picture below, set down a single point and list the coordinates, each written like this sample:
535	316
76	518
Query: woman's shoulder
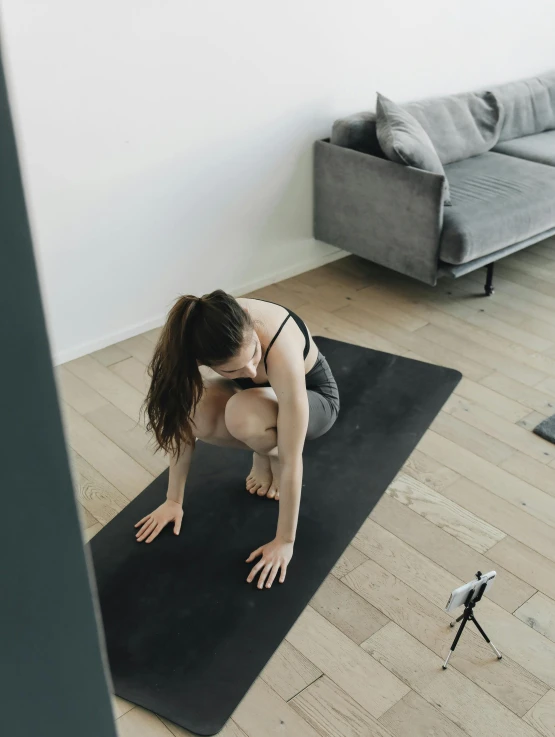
254	302
268	317
260	309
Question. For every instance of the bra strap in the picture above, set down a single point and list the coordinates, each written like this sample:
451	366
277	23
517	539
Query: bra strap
273	341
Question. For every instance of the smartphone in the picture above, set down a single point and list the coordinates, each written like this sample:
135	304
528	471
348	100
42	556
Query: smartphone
459	596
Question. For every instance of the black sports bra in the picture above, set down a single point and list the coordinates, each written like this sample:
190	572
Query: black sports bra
248	383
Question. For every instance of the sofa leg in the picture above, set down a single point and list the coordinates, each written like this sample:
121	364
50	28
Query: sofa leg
489	281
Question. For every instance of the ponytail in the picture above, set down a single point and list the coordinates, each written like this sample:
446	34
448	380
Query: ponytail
198	331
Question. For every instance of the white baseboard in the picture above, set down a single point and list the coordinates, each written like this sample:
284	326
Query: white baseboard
96	345
299	268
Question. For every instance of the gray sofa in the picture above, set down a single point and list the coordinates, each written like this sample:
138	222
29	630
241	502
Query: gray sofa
500	170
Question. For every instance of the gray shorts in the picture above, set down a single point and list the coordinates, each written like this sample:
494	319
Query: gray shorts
323	398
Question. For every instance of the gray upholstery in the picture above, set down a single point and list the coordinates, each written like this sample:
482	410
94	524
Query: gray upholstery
540	148
460	126
389	213
358	132
528	106
497	148
403	140
457	270
497	200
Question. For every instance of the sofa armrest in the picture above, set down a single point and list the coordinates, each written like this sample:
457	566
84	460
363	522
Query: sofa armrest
385	212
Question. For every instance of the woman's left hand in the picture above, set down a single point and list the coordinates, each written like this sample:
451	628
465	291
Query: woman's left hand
275	555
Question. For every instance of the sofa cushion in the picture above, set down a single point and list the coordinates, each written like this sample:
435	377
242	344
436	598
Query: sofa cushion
540	148
498	200
528	106
460	126
404	141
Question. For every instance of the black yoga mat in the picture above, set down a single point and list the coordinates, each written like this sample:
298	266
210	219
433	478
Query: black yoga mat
186	635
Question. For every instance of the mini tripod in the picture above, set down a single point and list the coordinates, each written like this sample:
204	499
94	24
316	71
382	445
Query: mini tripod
469	605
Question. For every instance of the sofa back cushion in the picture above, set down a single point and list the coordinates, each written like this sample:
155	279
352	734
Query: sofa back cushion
403	140
529	106
460	126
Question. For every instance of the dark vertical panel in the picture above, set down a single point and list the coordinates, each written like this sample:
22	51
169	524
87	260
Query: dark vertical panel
52	679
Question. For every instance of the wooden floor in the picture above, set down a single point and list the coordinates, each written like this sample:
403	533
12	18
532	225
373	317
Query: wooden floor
478	493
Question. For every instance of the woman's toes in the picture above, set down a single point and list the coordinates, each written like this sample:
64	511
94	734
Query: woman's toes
277	497
259	479
264	488
271	494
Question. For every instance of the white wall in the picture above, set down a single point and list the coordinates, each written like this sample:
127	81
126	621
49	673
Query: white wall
166	144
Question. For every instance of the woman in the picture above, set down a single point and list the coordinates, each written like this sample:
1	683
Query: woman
266	387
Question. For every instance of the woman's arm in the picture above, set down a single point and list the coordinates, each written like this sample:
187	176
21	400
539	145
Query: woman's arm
179	470
289	383
291	432
172	509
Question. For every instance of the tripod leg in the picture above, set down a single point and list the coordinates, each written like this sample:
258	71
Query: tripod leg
465	618
486	638
458	619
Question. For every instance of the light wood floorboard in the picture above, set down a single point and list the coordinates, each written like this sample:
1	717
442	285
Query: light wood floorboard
477	494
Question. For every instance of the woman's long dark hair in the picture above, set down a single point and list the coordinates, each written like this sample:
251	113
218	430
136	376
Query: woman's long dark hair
208	331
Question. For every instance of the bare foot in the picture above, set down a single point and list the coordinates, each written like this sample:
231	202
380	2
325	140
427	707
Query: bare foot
273	491
260	478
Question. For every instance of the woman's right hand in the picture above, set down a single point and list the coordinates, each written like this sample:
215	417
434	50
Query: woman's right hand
154	523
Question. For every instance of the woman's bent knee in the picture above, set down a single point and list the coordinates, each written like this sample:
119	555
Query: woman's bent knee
237	420
245	418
